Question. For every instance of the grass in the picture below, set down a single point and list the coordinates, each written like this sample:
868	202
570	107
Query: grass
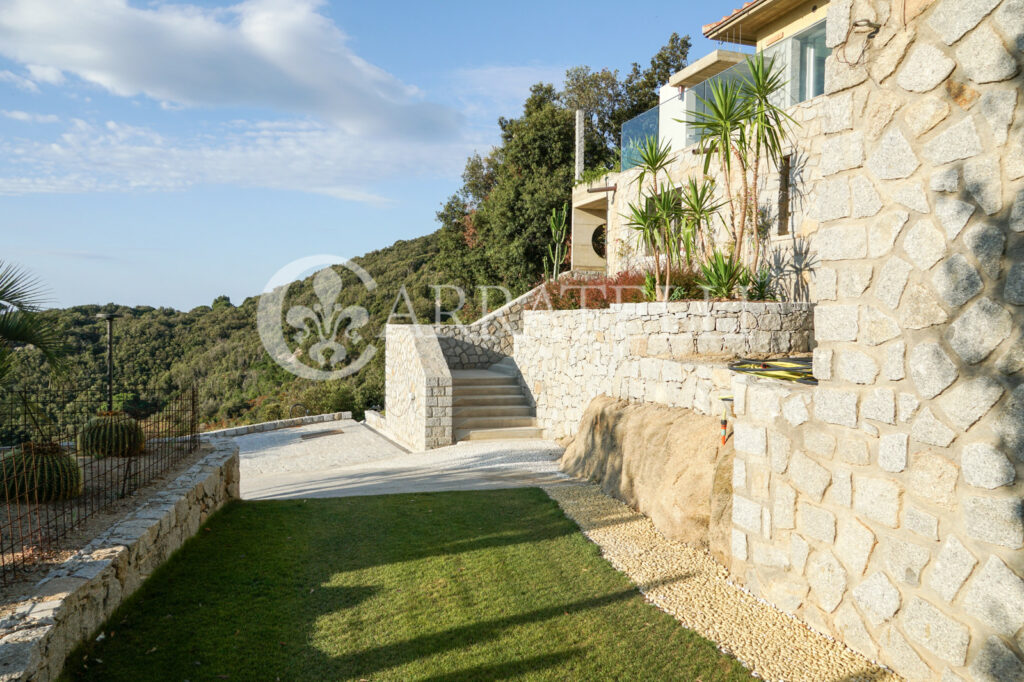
440	586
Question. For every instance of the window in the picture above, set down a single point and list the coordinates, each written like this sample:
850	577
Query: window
812	51
785	169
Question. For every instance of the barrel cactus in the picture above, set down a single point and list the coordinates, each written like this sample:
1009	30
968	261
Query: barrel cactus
111	434
40	472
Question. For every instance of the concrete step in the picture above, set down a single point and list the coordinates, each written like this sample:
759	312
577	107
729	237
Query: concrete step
489	400
476	410
482	377
487	389
491	422
513	433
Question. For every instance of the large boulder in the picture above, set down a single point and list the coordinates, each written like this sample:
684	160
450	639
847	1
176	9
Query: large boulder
665	462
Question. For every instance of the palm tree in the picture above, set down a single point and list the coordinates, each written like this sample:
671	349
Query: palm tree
21	299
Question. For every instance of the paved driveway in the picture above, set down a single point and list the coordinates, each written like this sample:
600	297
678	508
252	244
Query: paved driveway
336	459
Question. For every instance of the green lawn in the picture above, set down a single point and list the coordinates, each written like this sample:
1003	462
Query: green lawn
442	586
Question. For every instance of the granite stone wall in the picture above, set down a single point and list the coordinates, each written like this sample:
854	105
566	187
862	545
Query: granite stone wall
78	596
485	342
418	388
669	353
886	507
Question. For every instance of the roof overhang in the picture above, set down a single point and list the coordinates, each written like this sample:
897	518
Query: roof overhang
746	23
706	67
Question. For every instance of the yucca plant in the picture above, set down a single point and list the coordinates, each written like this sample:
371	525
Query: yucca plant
759	285
111	434
40	472
699	209
720	274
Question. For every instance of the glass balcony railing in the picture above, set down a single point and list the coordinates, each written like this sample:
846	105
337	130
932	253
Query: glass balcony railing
634	132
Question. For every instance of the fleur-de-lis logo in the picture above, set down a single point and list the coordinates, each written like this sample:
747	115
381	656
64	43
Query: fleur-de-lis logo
327	322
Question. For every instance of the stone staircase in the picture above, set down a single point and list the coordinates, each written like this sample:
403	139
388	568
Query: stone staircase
489	404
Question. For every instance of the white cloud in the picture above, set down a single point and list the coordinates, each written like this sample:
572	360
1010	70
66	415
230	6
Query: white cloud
28	117
278	54
491	91
17	81
302	155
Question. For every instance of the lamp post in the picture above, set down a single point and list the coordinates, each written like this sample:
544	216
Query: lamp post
110	317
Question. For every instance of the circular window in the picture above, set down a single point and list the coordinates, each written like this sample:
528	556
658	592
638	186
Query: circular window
598	240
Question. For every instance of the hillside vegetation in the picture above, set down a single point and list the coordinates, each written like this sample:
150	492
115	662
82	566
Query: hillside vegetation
493	231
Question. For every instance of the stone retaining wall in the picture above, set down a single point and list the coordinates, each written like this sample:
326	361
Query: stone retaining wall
669	353
886	506
485	342
418	388
246	429
77	597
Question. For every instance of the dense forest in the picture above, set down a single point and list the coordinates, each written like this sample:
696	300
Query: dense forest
493	231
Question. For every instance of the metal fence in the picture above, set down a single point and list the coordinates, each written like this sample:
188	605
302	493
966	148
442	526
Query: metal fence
65	455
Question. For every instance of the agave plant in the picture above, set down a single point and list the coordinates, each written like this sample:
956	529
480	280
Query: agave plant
720	274
759	285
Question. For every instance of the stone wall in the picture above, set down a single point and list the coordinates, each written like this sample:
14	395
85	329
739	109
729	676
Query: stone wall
884	507
77	597
669	353
418	388
485	342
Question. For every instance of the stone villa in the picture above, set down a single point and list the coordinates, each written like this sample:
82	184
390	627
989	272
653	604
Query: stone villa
883	506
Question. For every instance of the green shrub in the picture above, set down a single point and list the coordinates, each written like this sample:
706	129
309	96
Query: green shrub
720	275
40	472
111	434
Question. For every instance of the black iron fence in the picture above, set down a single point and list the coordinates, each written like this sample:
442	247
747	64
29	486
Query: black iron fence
66	455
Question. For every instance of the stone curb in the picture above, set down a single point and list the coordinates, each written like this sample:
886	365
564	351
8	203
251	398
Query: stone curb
78	596
273	426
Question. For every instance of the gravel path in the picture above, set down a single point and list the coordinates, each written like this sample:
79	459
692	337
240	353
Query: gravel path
695	589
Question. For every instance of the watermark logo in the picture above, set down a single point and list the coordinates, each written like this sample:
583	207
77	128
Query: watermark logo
333	329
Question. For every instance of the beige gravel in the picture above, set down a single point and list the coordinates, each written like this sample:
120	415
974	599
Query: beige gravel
694	588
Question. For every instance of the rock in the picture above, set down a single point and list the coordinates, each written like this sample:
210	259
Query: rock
998	520
749	438
1017	212
879	405
970	400
946	180
924	244
841	242
892	280
854	634
816	522
856	367
886	61
842	152
984	58
837	24
1013	360
953	214
808	476
924	68
935	631
951	568
821	364
892	452
1013	290
920	309
997	107
877	597
985	466
827	579
983	180
837	113
922	523
840	76
987	242
930	431
835	322
854	544
902	657
906	560
882	233
835	407
798	551
893	369
783	507
1010	20
893	158
957	281
979	330
953	18
865	200
794	410
911	195
925	114
1010	424
958	141
652	458
854	279
854	451
996	663
819	443
739	545
882	105
995	596
825	284
931	369
878	499
779	448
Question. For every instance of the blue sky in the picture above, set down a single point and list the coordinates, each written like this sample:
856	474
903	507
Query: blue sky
165	153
